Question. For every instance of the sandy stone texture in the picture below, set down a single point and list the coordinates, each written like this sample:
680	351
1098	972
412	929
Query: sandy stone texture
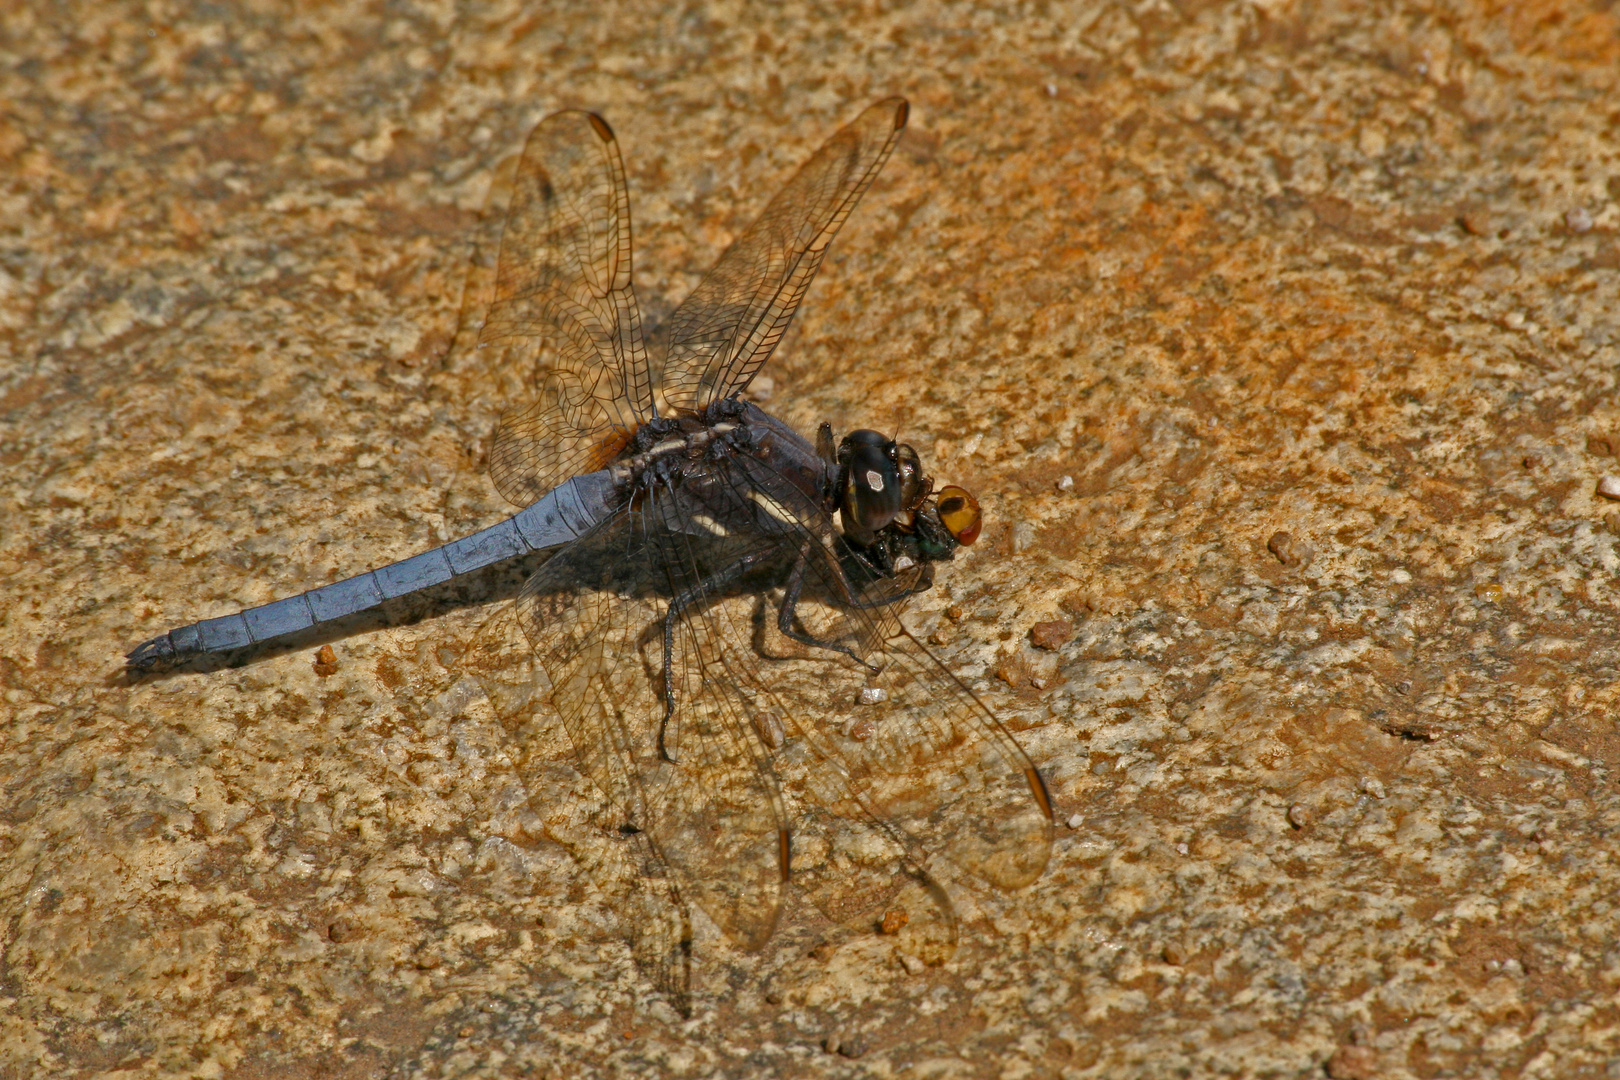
1278	339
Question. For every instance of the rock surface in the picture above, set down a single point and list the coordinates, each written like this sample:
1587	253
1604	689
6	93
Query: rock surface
1161	283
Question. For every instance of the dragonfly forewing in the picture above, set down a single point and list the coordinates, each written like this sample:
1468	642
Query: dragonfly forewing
731	323
564	304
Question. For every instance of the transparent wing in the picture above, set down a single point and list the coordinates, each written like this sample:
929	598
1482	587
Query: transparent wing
563	300
694	783
731	323
917	750
639	886
652	913
898	739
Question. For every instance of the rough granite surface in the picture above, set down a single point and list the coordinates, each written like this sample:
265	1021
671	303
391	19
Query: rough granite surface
1279	341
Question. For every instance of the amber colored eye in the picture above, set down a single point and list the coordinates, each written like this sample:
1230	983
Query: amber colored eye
959	513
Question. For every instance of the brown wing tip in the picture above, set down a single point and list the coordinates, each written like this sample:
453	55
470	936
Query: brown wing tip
1037	788
600	126
902	113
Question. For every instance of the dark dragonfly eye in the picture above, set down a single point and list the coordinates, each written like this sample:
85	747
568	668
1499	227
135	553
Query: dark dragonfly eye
869	489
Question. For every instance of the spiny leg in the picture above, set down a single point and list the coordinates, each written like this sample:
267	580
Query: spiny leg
787	611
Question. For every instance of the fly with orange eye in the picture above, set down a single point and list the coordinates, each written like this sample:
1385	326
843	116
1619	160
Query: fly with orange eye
959	513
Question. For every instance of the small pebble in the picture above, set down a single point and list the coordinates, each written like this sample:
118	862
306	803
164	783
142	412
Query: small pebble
325	661
1289	551
1052	635
871	695
1579	220
1065	483
912	965
1075	821
850	1046
1609	487
769	727
1490	592
894	920
1174	955
1299	815
1372	786
1475	222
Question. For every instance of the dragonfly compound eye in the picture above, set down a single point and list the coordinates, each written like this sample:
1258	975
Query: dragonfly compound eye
870	495
914	486
959	513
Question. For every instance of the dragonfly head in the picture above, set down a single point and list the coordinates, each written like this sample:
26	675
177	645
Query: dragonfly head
882	489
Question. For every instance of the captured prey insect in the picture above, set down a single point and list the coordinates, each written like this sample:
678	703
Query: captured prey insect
717	629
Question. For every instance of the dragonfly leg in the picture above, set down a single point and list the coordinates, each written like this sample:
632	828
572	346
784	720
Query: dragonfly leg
788	609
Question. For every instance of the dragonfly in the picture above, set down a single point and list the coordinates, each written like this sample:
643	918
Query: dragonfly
717	626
